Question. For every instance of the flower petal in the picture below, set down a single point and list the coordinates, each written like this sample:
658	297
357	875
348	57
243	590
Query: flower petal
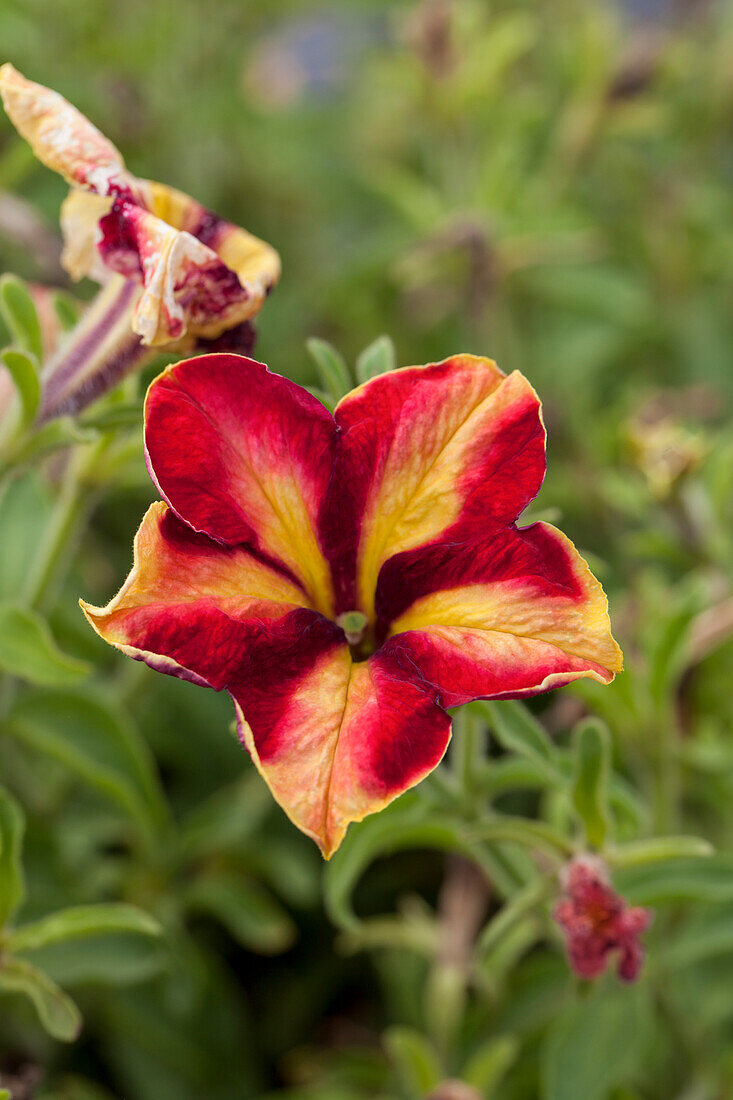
455	446
61	136
337	740
190	606
518	614
201	274
334	740
244	456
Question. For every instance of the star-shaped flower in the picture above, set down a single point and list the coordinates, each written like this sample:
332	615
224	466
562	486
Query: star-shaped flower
597	922
348	577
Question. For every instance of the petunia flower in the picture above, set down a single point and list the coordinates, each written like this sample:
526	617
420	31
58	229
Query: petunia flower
174	273
597	922
346	578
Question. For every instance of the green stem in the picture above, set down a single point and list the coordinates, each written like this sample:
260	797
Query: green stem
467	757
73	506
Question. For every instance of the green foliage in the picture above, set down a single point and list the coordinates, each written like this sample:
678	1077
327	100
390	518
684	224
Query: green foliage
590	782
12	887
23	370
27	650
545	184
19	314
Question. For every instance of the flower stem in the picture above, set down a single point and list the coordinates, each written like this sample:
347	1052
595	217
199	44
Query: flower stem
96	354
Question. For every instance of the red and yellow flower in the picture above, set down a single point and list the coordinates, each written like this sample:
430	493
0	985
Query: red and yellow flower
174	272
346	578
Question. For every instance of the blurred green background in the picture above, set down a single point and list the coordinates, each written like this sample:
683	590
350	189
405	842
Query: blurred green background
548	183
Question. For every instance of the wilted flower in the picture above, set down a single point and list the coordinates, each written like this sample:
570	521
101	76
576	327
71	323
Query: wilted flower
175	273
348	577
597	922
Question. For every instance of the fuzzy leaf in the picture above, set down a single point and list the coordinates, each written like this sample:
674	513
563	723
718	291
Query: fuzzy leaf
23	370
12	826
487	1065
99	743
414	1059
590	780
332	370
82	922
378	358
593	1046
249	912
27	649
20	315
517	730
56	1010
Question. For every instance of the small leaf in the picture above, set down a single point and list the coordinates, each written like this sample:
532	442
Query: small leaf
537	835
114	418
590	779
414	1059
658	849
681	879
12	826
99	743
108	959
20	315
404	824
321	395
245	908
332	370
517	730
67	309
523	902
82	922
594	1046
24	372
58	433
56	1010
376	359
486	1067
27	649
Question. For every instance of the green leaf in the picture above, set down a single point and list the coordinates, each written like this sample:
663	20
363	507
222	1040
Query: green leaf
24	372
405	824
657	849
376	359
709	933
61	432
67	309
114	418
590	779
537	835
82	922
12	826
246	909
414	1059
99	743
486	1067
56	1010
107	959
522	903
27	649
594	1046
20	315
226	820
25	510
332	370
681	879
517	730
